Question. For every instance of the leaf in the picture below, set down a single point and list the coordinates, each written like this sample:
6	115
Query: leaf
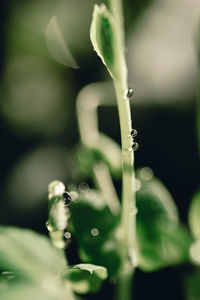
57	45
24	292
108	255
94	228
102	36
47	290
36	263
194	216
6	278
153	199
162	240
23	250
165	249
85	278
90	212
195	252
101	272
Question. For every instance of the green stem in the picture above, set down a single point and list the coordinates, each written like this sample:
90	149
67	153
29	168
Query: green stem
105	184
128	219
124	287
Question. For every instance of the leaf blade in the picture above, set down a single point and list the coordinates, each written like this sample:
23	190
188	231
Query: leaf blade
102	36
85	278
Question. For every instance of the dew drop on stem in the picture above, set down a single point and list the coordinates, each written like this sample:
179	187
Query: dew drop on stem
129	93
146	173
134	133
127	150
67	198
134	211
135	146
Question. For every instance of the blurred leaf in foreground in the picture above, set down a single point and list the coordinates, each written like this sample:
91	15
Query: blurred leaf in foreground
35	262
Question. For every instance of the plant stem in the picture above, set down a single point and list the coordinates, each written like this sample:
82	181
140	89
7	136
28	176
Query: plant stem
128	218
124	287
105	184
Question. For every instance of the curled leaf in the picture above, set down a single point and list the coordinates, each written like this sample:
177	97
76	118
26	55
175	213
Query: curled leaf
102	36
57	45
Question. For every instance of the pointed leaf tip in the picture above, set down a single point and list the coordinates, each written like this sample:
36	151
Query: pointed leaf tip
57	45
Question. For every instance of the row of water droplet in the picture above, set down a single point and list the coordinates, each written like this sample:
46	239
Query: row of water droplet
135	145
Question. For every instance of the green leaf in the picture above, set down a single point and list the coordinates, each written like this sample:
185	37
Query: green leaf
85	278
90	213
162	241
107	254
102	36
6	278
194	216
26	291
153	199
23	250
195	252
166	248
94	228
36	263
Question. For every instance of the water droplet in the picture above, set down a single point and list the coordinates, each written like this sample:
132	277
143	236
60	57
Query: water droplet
67	198
137	185
129	93
49	226
135	146
56	188
94	231
134	211
67	235
74	196
83	187
146	173
127	150
134	133
130	123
